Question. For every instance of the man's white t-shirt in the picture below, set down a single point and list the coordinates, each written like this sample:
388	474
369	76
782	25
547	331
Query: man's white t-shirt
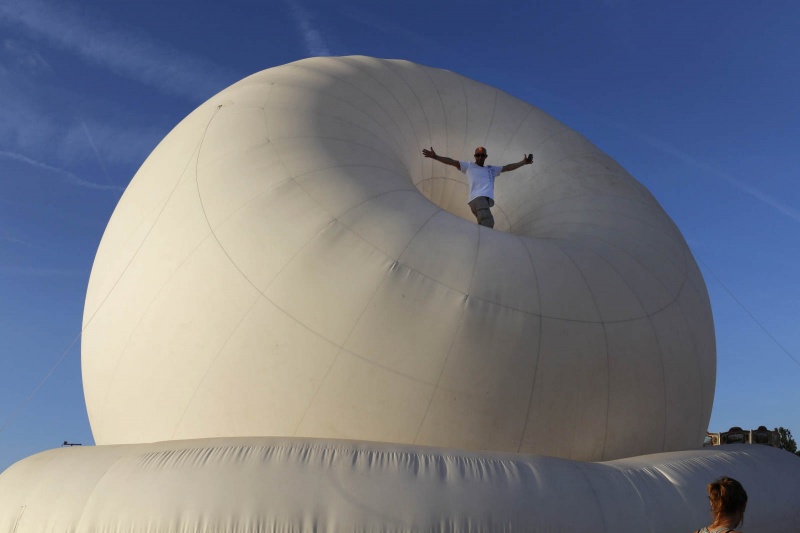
481	179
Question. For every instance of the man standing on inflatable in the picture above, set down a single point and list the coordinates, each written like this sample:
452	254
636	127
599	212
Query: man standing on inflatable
481	180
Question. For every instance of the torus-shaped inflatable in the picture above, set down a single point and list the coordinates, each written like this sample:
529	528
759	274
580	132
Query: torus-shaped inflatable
286	263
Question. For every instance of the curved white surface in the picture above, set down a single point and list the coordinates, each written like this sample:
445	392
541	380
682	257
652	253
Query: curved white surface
287	263
304	485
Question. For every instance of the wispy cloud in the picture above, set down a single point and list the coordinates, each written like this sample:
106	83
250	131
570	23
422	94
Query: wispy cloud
765	198
23	125
7	237
96	152
126	53
108	143
66	176
387	27
315	45
25	56
43	123
712	170
46	272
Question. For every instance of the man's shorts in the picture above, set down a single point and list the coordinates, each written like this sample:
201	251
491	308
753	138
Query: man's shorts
480	208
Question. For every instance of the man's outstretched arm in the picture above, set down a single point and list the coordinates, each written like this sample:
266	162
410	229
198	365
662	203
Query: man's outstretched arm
446	160
527	160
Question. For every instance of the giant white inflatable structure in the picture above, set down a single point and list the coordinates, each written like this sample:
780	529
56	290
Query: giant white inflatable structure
291	306
287	263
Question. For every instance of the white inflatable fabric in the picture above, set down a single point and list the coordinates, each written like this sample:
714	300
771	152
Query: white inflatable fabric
247	485
287	263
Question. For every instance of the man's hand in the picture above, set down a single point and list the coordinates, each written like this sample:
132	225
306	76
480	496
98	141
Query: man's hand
527	160
446	160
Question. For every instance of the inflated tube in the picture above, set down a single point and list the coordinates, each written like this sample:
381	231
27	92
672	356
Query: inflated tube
287	263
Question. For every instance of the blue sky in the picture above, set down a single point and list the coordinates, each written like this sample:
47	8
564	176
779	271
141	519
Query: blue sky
698	100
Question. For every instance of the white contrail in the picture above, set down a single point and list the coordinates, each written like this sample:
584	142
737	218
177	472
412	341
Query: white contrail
43	271
390	29
711	169
312	38
96	152
68	176
132	55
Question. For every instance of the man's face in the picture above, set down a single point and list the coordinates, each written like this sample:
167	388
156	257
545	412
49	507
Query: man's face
480	155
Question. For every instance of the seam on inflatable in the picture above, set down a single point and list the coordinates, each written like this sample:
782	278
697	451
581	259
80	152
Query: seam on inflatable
477	298
421	106
648	318
195	152
556	225
466	113
538	344
124	351
705	415
673	483
440	178
301	175
124	244
491	120
503	212
387	64
576	230
608	391
287	180
307	243
336	98
213	233
691	333
564	130
361	91
590	192
618	177
624	472
538	216
364	202
635	258
620	276
444	111
341	348
516	130
647	221
334	220
416	234
368	72
673	300
312	239
354	125
580	466
605	340
663	380
347	338
456	335
316	170
447	170
343	141
94	489
200	382
543	172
